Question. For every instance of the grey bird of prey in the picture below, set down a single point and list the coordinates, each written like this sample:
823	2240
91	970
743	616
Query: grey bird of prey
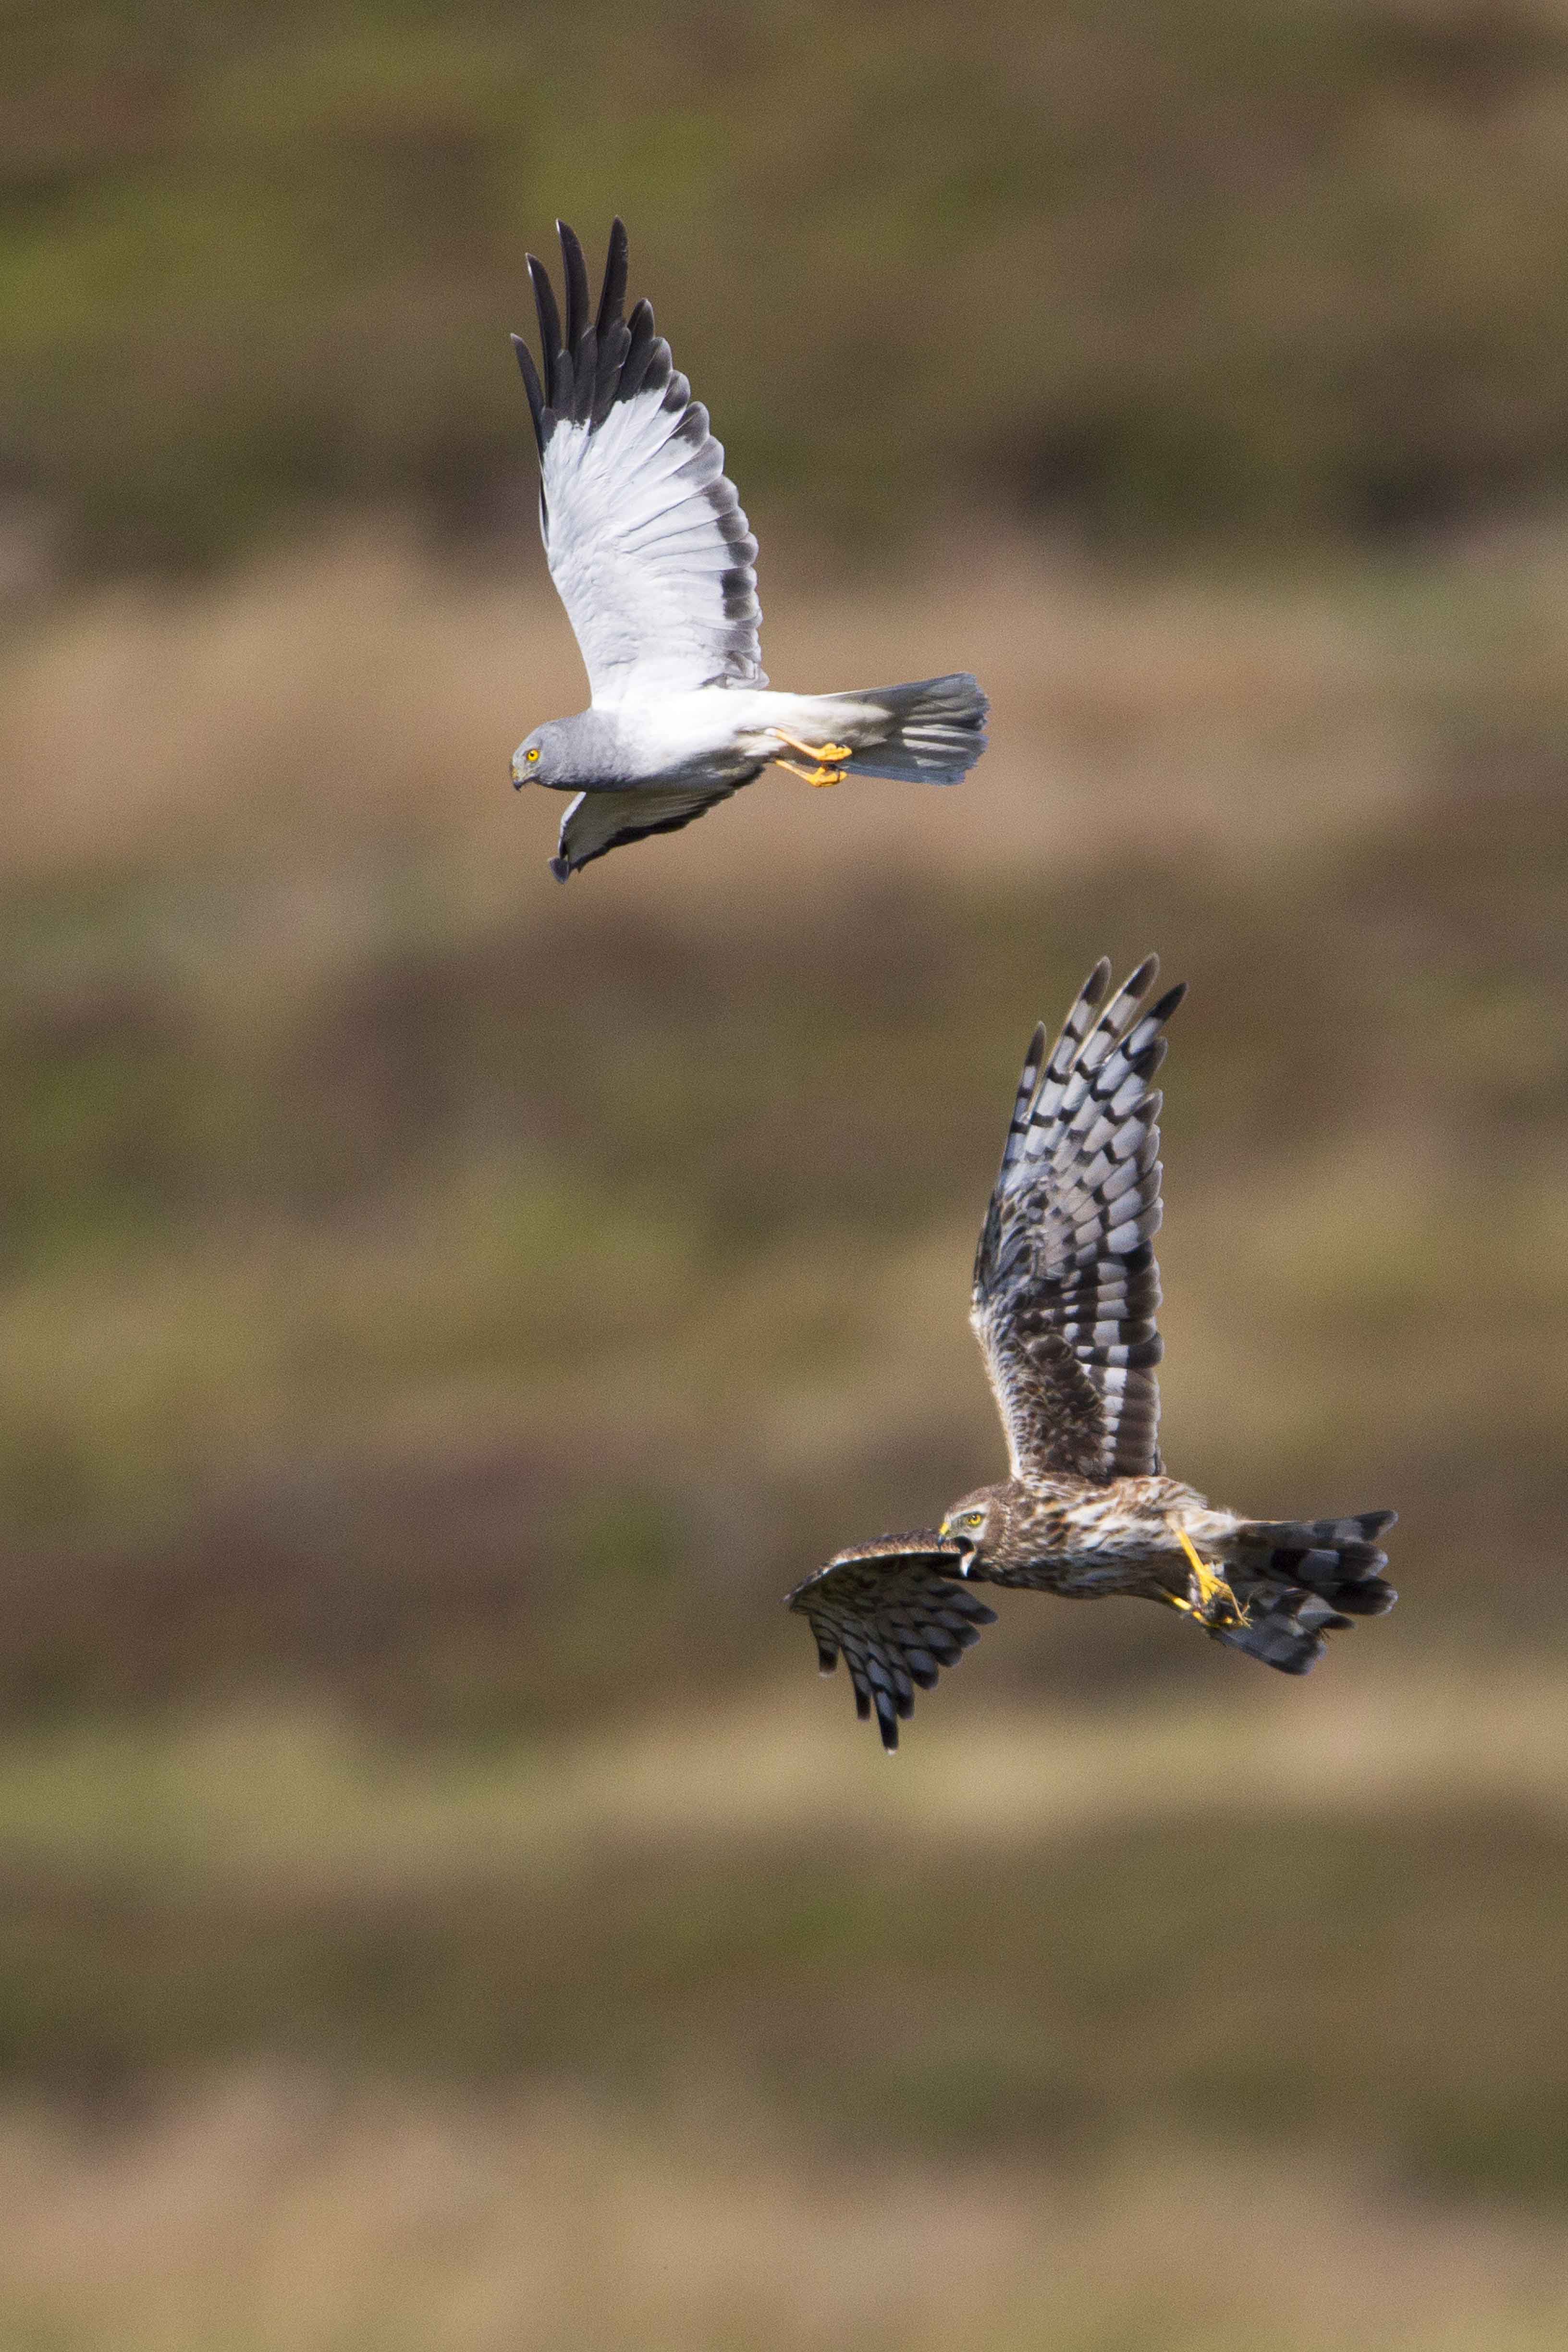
654	561
1065	1288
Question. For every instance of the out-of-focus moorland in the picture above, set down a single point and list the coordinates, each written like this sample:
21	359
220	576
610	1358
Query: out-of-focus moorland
440	1314
1189	267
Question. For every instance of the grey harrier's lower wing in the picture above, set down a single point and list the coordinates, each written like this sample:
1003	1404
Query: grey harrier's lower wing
898	1610
599	822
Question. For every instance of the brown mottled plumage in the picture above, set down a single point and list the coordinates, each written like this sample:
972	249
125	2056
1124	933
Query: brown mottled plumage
1065	1289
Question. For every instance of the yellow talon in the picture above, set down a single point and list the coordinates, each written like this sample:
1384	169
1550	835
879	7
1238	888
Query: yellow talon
812	775
1214	1593
819	752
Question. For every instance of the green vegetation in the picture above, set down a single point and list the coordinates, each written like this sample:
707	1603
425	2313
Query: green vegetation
595	1200
480	1302
1180	269
1263	1972
439	1314
1266	1970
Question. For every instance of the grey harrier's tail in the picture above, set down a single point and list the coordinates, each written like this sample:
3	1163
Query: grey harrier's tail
936	730
1301	1580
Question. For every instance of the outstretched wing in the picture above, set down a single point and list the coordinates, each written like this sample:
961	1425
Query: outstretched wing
647	543
898	1610
1066	1285
597	822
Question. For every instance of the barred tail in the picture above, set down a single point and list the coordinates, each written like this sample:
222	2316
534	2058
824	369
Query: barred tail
1301	1580
936	730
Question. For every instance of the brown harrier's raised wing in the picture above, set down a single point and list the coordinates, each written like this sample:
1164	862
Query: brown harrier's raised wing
898	1610
1066	1285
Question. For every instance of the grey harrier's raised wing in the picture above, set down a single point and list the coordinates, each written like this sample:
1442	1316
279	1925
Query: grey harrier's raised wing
898	1611
647	543
597	822
1066	1285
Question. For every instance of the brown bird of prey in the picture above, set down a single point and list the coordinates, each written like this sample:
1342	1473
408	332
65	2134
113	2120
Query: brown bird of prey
1065	1292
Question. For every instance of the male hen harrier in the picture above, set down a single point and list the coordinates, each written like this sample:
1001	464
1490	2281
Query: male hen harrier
1065	1292
654	562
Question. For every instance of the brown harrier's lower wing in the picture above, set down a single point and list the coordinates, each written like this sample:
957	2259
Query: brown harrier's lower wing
898	1610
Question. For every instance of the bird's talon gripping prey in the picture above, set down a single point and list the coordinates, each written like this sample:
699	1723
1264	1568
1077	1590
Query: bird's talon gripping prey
1065	1289
655	563
1217	1604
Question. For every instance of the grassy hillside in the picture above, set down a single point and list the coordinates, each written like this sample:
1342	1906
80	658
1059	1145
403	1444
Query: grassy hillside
484	1299
1197	2025
1178	268
439	1314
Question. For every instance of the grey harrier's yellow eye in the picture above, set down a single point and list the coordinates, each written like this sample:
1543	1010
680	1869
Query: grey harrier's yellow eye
533	755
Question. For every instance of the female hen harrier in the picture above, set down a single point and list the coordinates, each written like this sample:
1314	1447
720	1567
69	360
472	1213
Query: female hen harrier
654	562
1065	1292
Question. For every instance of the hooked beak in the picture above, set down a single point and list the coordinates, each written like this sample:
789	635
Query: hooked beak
966	1546
518	778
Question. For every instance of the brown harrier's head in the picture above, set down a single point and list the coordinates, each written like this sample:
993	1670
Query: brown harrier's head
982	1522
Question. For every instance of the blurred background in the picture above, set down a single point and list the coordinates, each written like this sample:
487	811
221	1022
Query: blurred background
440	1314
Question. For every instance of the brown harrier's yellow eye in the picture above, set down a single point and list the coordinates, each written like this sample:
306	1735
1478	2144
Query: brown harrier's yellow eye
533	755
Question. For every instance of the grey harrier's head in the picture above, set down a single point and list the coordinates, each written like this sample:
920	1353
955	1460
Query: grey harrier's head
540	758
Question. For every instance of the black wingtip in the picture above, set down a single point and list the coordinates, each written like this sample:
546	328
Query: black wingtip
576	273
561	868
532	386
1163	1009
614	292
549	316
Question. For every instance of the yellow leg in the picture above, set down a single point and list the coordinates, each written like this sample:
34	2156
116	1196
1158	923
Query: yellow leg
812	775
820	751
1213	1592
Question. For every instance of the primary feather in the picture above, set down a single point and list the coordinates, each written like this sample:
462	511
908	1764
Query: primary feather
1066	1285
644	532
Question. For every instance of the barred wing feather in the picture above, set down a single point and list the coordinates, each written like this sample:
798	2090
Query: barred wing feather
647	542
1066	1285
898	1611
